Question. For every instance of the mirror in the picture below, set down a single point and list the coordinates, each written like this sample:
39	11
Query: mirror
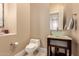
1	15
56	20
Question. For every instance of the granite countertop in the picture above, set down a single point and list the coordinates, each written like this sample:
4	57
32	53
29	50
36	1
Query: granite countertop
59	37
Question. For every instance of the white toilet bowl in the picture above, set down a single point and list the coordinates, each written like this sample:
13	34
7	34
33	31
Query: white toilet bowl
33	45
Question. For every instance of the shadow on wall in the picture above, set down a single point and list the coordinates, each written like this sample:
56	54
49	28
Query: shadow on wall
74	47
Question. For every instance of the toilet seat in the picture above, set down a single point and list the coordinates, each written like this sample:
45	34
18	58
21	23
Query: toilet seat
31	47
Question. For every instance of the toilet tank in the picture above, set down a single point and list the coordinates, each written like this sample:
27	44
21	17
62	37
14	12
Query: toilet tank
35	41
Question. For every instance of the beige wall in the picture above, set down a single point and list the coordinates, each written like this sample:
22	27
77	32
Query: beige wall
40	22
68	15
76	33
35	20
23	24
44	23
10	18
23	30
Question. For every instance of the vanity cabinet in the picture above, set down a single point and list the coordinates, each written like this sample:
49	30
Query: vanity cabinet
59	43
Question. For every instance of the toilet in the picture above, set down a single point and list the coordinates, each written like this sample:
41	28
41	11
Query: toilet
33	45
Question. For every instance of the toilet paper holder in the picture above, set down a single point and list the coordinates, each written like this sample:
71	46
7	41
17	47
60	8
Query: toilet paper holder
13	45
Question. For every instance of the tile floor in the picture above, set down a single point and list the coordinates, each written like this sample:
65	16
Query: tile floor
40	52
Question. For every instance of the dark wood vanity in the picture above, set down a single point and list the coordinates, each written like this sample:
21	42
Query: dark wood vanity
57	43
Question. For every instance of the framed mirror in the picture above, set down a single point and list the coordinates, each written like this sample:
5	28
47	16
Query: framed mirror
56	20
1	15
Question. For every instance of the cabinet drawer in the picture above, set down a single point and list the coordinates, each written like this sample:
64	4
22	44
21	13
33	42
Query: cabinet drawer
58	43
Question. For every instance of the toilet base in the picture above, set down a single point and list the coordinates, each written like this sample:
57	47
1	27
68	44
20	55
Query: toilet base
30	54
